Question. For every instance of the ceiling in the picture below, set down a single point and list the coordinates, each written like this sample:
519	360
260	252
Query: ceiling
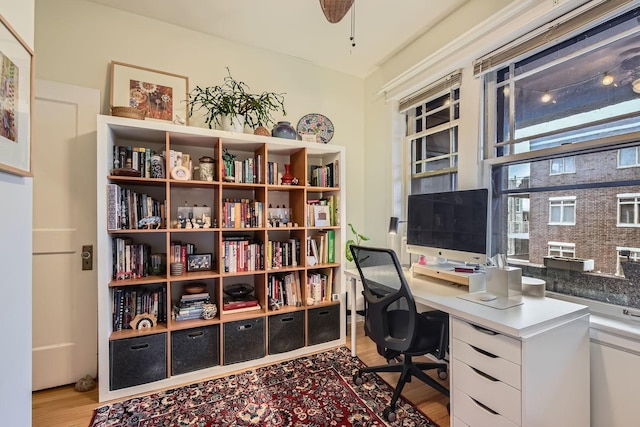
299	28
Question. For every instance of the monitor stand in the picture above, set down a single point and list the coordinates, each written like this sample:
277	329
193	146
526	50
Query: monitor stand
475	281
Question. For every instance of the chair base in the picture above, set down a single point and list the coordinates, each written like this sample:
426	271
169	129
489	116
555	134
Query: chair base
407	370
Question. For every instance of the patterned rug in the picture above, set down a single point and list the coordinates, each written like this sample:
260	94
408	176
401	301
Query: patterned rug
312	391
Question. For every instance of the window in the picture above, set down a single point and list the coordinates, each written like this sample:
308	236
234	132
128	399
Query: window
628	215
562	210
567	250
628	157
432	118
558	140
536	104
562	165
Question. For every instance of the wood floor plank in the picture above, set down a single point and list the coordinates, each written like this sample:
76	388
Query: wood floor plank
63	406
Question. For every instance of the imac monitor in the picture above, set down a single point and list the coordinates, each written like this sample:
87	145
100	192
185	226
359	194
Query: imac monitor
451	226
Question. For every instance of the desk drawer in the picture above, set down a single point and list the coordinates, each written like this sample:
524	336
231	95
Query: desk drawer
495	395
502	369
487	340
473	414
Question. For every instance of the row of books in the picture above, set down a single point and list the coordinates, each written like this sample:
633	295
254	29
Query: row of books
130	260
321	247
190	306
241	254
319	285
285	288
274	177
283	254
325	176
248	171
242	213
323	212
178	251
125	208
132	301
138	158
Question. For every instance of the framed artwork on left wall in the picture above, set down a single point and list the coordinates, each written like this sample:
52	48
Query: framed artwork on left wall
16	100
162	96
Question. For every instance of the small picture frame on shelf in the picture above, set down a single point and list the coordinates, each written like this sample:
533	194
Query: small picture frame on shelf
199	262
321	216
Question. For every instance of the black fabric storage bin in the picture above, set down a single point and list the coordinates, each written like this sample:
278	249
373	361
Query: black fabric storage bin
323	324
286	332
193	349
243	340
138	360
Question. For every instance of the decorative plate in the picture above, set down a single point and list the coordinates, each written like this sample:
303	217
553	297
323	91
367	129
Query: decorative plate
316	124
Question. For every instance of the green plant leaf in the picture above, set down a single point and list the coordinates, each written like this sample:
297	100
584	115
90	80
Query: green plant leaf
348	254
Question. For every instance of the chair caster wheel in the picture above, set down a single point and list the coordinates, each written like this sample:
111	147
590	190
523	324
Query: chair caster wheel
357	379
389	414
442	374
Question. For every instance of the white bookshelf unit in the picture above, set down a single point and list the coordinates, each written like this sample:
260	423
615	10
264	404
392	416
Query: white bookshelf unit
171	353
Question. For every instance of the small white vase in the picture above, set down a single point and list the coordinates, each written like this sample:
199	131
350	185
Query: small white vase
235	125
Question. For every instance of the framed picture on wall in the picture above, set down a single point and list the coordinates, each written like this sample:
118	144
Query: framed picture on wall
16	100
162	96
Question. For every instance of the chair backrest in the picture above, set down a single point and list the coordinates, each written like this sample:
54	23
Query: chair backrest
388	297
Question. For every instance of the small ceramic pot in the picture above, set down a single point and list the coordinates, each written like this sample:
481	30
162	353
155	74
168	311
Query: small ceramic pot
284	130
209	311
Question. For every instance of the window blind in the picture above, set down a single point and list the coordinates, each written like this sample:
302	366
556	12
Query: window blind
421	96
553	32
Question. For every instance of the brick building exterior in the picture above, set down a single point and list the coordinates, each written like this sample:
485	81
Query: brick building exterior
596	233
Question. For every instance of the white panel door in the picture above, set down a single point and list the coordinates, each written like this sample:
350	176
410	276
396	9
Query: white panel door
64	219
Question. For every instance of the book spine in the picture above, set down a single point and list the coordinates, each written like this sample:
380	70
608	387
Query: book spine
331	249
239	304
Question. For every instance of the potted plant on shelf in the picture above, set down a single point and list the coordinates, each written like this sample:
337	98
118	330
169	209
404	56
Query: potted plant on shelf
233	102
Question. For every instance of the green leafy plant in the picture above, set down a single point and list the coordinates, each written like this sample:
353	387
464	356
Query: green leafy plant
359	238
233	98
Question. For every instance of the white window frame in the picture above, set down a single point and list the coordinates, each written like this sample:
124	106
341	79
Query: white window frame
634	165
452	127
566	249
564	170
636	209
563	202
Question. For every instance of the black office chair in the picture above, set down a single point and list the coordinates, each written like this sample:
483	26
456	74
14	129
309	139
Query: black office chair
393	323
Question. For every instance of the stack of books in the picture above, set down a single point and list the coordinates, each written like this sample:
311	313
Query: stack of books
191	306
239	305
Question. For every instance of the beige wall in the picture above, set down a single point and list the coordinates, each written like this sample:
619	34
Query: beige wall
76	40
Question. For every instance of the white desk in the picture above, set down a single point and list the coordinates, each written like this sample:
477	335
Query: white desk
538	362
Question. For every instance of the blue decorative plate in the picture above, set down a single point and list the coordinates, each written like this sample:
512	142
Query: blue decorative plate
318	124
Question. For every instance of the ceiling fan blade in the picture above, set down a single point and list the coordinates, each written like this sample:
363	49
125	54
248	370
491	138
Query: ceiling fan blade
335	10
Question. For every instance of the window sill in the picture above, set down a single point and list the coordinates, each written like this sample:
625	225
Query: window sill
608	324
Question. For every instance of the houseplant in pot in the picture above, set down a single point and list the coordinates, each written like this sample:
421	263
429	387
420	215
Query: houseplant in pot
232	101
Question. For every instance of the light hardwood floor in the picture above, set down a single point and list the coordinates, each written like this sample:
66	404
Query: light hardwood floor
63	406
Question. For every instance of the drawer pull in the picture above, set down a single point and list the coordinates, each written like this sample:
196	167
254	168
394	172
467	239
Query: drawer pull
485	407
481	351
487	376
484	330
194	335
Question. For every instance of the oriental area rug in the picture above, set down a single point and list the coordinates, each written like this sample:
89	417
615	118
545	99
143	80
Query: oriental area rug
312	391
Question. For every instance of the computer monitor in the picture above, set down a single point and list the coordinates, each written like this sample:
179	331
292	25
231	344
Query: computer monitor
450	226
